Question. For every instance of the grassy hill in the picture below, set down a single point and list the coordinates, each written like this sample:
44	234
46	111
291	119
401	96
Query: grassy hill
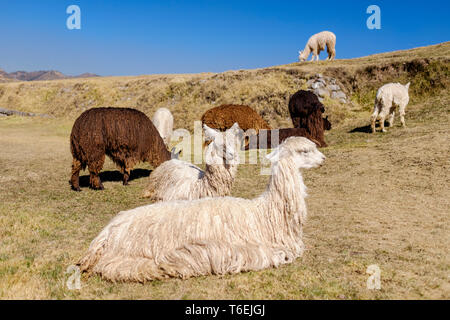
379	199
266	90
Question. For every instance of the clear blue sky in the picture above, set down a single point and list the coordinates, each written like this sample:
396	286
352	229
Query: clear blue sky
143	37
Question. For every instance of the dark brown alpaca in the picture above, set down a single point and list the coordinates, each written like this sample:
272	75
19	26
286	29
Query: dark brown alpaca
223	117
283	134
306	112
127	136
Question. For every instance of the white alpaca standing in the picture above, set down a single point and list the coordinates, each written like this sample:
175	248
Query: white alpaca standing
388	97
210	235
163	121
181	180
317	43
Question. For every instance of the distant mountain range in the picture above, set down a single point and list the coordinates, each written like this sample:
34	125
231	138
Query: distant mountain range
38	76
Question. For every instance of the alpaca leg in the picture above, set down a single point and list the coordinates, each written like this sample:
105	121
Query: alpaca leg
94	170
125	268
402	116
215	257
331	52
382	119
373	120
391	118
126	176
75	179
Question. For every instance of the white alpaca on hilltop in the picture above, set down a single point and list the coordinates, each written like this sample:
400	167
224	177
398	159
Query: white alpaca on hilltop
317	43
211	235
388	98
181	180
163	121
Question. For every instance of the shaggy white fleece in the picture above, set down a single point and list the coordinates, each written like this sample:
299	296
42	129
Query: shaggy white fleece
163	121
388	98
210	235
181	180
317	43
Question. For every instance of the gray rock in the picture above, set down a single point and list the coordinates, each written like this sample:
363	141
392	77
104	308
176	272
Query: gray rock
322	80
319	75
320	92
334	87
338	95
317	85
342	100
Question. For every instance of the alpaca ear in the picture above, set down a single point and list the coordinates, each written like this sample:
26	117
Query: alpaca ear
174	154
235	127
237	131
210	134
407	85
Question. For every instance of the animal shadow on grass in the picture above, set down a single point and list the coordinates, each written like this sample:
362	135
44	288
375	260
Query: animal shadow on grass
115	176
368	129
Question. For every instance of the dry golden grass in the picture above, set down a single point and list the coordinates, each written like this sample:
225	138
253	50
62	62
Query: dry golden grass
268	90
379	199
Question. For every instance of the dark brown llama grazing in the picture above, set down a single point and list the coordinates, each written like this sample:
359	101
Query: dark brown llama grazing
306	112
263	140
127	136
225	116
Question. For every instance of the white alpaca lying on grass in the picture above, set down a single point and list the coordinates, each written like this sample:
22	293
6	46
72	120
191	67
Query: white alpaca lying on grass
211	235
388	98
181	180
163	121
317	43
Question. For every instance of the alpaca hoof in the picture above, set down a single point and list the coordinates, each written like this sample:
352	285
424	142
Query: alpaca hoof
126	183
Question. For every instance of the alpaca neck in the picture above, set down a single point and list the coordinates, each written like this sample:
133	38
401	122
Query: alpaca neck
284	197
163	155
315	126
307	51
220	177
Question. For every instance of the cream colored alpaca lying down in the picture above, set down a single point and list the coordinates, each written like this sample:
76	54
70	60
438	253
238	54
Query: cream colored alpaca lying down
210	235
388	98
181	180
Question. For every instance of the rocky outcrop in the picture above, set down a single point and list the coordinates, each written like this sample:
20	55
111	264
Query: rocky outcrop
326	87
